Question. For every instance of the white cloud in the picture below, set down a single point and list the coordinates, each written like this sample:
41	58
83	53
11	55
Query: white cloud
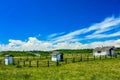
35	44
72	39
70	36
98	29
106	25
55	34
104	35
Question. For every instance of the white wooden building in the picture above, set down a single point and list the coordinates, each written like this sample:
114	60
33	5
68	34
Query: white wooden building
102	51
57	56
8	59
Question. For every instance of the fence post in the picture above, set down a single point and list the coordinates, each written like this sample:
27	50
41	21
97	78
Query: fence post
100	57
18	62
87	57
39	57
65	60
110	56
94	57
20	58
46	57
115	55
27	58
30	63
33	57
24	63
72	54
73	59
48	63
37	63
81	57
105	56
57	63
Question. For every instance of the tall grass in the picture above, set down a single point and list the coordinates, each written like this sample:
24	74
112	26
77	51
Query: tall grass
108	69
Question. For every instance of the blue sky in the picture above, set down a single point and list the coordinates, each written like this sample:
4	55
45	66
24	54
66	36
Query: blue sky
58	24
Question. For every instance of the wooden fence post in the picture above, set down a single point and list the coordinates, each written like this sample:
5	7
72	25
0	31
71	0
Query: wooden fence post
24	63
110	56
87	57
48	63
37	63
20	58
73	60
105	56
27	58
40	57
115	55
94	57
57	63
100	57
72	55
81	57
30	63
33	57
65	60
18	62
46	57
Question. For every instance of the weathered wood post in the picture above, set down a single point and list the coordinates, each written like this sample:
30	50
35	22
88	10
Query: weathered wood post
46	57
115	55
65	60
81	57
27	58
24	63
0	62
18	62
72	55
29	63
20	58
94	57
100	57
48	63
105	56
87	57
111	56
57	63
33	57
73	60
37	63
40	56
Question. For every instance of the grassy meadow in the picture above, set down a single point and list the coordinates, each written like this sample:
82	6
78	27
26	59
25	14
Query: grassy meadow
108	69
76	68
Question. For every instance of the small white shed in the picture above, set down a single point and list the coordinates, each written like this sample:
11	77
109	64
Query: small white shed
102	51
8	59
57	56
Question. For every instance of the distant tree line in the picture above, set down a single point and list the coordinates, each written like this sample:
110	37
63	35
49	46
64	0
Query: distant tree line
47	53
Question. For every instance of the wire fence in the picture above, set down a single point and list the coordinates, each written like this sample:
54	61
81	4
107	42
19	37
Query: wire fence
46	61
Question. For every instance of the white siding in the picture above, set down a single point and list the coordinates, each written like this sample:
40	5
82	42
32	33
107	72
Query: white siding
8	60
54	58
100	54
113	52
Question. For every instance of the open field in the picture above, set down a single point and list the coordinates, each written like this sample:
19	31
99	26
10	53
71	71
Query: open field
105	69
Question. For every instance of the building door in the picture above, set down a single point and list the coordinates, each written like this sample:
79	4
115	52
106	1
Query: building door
61	56
110	51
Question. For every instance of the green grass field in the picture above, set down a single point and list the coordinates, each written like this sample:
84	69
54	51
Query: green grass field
108	69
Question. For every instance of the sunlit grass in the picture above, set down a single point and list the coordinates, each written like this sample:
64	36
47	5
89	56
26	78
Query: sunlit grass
108	69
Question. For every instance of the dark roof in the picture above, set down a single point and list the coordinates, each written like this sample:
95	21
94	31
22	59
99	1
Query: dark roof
8	55
104	48
56	53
